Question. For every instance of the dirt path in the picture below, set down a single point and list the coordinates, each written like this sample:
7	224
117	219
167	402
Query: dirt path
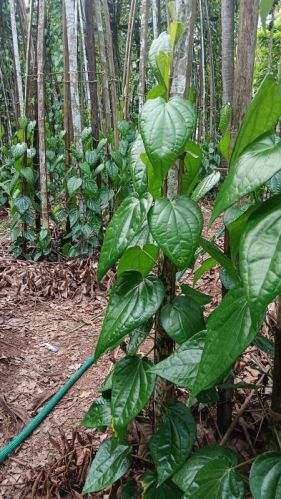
29	372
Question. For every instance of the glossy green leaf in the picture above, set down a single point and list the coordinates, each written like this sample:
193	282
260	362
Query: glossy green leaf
206	185
210	473
154	181
229	333
208	264
182	318
224	146
265	476
260	256
99	414
274	184
225	118
109	464
215	252
141	260
157	91
235	220
132	386
182	365
196	295
22	203
138	336
172	443
151	489
162	44
18	150
107	383
187	473
133	300
73	184
28	174
165	127
261	116
163	62
264	344
258	163
192	163
138	168
176	226
124	225
176	29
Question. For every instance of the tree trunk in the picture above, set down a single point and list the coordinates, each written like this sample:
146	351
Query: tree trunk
27	88
212	110
103	65
227	49
92	71
41	115
71	22
156	18
202	137
182	62
143	51
127	60
16	57
9	128
245	59
83	50
113	92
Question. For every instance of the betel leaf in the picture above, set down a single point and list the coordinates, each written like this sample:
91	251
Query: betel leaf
206	185
211	476
261	116
265	7
132	386
216	253
139	259
186	474
73	184
176	226
151	489
260	256
138	168
224	146
182	365
265	476
22	203
133	300
154	182
172	443
274	184
110	463
208	264
182	318
258	163
236	226
99	414
165	127
229	332
225	118
162	44
176	29
138	336
192	163
201	298
124	225
129	490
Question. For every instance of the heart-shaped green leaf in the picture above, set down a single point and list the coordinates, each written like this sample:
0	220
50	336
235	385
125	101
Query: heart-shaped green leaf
124	225
110	463
261	115
99	414
258	163
229	332
139	259
210	473
181	366
260	256
206	185
132	386
176	226
265	476
73	184
186	474
133	300
138	168
151	489
182	319
172	443
165	127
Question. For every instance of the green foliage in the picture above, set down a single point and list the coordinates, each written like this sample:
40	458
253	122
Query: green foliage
182	318
265	481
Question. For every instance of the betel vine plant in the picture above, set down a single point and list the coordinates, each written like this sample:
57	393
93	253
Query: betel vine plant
147	224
